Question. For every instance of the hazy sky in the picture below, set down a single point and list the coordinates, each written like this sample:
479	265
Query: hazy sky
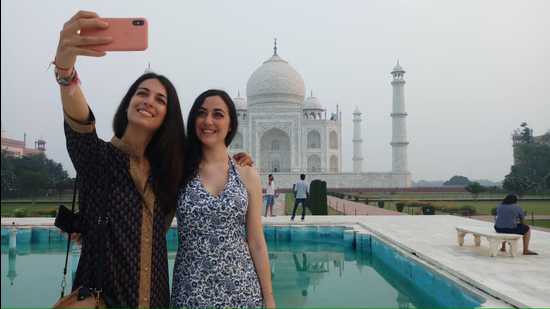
475	69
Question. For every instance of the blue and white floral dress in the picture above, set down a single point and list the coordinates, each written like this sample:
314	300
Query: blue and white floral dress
213	267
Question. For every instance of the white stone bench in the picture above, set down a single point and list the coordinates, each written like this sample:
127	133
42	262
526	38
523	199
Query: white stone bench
493	237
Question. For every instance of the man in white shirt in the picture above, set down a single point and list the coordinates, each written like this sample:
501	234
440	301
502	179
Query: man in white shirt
301	192
270	194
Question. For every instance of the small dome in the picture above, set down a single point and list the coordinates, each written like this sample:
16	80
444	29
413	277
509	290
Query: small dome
240	103
313	103
275	80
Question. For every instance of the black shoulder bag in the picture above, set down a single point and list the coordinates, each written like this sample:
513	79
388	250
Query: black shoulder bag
83	297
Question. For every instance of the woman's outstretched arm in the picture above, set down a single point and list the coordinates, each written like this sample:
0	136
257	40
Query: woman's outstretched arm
72	44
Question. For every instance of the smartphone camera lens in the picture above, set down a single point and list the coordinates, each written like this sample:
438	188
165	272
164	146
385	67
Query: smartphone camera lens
138	22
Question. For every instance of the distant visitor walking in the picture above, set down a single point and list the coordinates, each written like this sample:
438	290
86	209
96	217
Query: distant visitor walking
508	215
270	195
301	193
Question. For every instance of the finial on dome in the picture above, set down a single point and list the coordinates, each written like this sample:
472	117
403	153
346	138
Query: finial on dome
275	47
148	68
397	68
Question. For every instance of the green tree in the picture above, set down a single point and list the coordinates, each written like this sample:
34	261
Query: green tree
32	176
32	183
475	189
531	169
526	133
457	181
517	184
8	175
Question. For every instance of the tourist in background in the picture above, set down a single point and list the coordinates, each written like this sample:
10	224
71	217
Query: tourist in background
270	195
301	193
511	220
222	259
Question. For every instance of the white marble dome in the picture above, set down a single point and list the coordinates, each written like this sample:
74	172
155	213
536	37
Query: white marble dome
312	103
240	103
275	81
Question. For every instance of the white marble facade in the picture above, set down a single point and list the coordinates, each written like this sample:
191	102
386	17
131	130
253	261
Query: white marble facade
288	134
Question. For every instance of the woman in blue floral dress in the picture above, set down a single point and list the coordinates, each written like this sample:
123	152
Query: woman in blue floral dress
222	259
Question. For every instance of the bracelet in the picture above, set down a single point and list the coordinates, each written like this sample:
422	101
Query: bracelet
67	80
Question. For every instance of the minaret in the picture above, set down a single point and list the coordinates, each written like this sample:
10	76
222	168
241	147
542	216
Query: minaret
399	122
357	142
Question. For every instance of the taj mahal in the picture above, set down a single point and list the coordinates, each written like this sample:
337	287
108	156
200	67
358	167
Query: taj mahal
288	134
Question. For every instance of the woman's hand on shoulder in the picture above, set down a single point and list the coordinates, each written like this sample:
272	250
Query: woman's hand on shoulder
243	159
72	44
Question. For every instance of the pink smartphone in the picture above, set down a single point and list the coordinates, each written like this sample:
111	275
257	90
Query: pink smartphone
129	34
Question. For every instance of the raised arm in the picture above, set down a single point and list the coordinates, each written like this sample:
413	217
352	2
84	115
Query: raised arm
72	44
83	145
255	233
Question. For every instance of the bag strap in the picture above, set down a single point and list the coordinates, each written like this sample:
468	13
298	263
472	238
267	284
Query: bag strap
64	281
101	230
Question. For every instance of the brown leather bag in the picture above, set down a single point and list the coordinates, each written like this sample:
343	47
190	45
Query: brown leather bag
73	301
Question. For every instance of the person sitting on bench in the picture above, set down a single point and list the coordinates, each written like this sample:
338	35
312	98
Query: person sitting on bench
508	214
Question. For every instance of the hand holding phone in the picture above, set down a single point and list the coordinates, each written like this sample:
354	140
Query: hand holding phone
71	44
128	34
86	34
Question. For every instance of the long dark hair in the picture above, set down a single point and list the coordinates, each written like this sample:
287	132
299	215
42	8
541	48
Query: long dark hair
166	149
510	199
193	154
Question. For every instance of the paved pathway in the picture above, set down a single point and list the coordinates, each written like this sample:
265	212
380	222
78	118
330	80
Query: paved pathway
358	209
278	207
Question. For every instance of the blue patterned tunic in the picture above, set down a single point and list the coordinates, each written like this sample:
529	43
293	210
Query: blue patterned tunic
213	267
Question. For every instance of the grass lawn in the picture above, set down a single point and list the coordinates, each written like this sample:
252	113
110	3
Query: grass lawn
25	209
541	223
436	195
484	207
289	200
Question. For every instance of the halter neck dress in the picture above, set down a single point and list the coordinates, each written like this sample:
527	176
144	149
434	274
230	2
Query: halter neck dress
213	267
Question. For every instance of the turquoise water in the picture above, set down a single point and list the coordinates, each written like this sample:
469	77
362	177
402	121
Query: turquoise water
311	267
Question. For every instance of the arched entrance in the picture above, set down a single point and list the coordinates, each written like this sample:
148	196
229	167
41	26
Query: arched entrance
314	163
275	151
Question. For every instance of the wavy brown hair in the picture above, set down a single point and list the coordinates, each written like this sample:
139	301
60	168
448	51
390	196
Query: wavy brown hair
166	149
193	154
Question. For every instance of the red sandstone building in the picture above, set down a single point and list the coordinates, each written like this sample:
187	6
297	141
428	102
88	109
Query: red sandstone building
18	148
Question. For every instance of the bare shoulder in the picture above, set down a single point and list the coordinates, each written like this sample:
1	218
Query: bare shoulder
248	172
249	176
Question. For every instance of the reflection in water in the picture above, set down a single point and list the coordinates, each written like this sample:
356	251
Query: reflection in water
304	270
403	301
11	265
305	273
302	280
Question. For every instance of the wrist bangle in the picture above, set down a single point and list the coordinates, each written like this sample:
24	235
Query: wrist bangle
66	80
